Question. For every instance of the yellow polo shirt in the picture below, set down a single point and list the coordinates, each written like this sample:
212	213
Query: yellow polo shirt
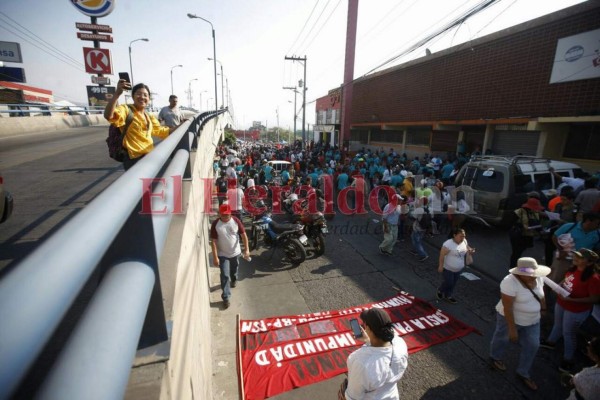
138	140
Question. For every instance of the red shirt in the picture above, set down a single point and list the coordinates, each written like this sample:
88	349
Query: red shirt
552	203
578	290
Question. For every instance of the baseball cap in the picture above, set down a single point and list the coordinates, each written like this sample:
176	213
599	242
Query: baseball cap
587	254
224	209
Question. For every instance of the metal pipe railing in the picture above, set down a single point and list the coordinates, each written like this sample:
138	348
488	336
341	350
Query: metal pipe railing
36	294
113	323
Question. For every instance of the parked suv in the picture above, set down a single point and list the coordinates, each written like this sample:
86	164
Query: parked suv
6	202
500	183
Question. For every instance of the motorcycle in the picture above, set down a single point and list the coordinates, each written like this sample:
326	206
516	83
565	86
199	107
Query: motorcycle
315	229
290	237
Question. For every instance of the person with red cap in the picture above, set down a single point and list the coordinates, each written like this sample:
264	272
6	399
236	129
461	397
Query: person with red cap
527	225
225	234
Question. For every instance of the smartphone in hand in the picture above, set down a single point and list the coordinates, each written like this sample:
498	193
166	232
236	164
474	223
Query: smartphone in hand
124	76
356	328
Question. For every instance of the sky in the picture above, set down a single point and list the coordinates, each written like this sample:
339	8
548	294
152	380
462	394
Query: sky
253	37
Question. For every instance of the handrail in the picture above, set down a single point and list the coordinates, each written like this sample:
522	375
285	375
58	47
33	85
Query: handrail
24	109
35	299
49	109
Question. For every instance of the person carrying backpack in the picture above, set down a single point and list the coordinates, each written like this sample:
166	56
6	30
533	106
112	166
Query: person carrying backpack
137	126
422	224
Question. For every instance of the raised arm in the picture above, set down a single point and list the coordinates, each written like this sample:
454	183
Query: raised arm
112	103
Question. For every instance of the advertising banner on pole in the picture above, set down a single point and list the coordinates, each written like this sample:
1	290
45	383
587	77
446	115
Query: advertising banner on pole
100	95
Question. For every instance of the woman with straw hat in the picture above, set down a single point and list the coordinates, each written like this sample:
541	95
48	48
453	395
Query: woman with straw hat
519	314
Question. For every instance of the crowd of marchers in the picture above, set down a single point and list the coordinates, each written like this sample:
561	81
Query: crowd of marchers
413	198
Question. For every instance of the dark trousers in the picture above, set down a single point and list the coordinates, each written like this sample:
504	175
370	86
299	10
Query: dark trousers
518	245
449	280
130	162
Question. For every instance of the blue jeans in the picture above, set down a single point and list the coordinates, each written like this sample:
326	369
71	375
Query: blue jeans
229	270
417	242
529	340
566	324
449	280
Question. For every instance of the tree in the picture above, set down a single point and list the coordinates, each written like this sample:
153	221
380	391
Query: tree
230	138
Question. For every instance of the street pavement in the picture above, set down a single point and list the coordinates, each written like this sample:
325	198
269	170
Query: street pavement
353	272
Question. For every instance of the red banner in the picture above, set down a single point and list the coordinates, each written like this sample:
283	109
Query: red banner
283	353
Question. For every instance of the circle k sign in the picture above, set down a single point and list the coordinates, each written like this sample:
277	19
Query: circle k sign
97	61
94	8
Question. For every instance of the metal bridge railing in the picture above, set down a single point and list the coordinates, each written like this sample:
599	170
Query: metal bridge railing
112	248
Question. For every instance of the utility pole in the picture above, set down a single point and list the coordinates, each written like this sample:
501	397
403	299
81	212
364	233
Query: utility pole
303	86
348	74
277	113
295	110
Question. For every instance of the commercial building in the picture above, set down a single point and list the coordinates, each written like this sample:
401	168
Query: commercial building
531	89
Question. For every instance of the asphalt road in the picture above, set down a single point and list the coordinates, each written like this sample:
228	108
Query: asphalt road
353	272
54	175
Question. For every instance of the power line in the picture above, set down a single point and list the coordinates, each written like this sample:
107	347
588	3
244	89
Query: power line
66	61
304	26
36	37
322	26
471	12
313	26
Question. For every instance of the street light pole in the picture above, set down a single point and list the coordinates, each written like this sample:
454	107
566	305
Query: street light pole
190	91
130	64
214	55
222	87
176	66
200	102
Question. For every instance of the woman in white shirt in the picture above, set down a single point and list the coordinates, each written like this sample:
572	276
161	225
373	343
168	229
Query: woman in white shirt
518	318
375	369
451	263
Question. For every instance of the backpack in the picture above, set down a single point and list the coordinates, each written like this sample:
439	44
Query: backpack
114	141
425	221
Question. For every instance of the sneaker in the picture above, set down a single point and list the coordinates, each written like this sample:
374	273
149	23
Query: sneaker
414	253
451	300
566	366
547	345
226	304
233	283
423	258
381	251
439	295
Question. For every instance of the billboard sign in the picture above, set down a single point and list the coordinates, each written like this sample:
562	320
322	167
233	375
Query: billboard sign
577	57
10	52
94	8
100	80
9	74
93	27
97	61
100	95
94	36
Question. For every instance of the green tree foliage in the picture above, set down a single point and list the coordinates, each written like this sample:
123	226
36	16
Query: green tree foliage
230	138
